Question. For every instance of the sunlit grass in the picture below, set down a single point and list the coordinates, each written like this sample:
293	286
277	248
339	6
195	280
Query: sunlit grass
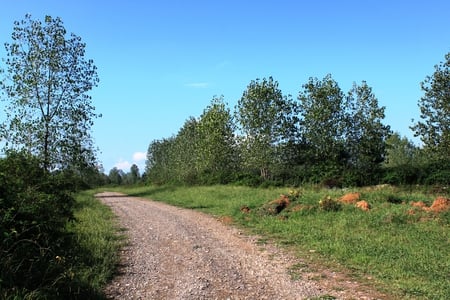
405	255
96	247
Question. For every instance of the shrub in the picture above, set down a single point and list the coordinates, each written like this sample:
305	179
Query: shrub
34	210
329	204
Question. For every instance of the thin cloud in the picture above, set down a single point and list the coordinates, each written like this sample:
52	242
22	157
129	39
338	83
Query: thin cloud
197	85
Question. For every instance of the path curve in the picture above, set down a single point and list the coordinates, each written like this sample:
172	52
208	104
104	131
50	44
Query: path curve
175	253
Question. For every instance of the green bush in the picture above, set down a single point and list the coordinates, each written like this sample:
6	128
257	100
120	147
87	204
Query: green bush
34	210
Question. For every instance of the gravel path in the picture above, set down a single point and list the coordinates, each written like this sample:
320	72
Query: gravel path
176	253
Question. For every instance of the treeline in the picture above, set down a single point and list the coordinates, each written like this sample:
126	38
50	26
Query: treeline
323	136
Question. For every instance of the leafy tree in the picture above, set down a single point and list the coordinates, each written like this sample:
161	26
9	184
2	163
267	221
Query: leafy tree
266	119
434	130
185	152
116	176
134	174
366	134
216	143
323	119
47	83
400	151
405	162
159	164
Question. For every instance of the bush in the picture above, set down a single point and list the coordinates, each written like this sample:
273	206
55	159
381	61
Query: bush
329	204
34	210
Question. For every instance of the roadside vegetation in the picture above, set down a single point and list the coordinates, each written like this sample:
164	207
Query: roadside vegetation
398	243
55	241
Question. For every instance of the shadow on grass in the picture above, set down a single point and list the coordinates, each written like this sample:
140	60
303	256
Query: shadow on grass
152	191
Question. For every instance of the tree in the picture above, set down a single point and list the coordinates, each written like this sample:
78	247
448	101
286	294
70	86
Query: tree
134	174
323	118
366	134
47	82
159	165
400	151
434	130
266	119
216	143
185	152
116	176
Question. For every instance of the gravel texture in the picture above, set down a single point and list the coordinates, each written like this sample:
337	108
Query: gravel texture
175	253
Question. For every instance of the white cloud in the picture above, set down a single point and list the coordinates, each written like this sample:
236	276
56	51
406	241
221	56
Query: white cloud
139	156
123	165
197	85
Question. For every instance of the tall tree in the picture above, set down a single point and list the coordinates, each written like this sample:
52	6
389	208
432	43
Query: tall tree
366	134
434	129
134	174
159	165
216	142
185	152
266	118
323	118
47	82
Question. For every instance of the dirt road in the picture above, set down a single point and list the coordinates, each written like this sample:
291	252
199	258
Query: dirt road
175	253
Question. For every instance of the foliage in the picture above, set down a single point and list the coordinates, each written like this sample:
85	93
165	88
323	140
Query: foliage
266	119
49	112
365	135
34	208
159	164
51	245
322	123
434	129
216	143
185	154
326	138
116	176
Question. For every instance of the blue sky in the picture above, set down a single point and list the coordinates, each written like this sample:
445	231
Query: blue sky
160	62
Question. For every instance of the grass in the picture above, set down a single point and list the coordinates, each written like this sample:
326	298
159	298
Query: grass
96	244
406	255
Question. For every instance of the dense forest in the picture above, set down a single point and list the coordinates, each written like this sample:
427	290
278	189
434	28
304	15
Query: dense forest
325	136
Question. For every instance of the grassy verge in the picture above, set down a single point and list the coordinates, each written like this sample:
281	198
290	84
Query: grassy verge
93	257
404	250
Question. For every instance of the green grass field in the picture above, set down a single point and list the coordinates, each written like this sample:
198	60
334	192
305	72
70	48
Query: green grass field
404	249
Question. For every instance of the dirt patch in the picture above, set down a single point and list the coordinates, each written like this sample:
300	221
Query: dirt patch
350	198
363	205
440	204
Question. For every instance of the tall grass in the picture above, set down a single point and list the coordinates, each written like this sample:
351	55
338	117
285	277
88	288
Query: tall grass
405	253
